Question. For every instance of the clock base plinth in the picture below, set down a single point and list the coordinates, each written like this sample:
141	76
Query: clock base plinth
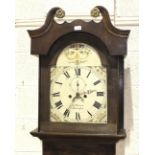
69	144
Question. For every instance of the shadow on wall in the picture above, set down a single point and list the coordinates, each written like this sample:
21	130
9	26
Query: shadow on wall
128	114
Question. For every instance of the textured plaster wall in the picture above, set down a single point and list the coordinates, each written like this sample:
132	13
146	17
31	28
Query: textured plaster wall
30	14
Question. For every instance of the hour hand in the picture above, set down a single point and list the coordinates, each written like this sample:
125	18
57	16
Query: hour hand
89	92
77	97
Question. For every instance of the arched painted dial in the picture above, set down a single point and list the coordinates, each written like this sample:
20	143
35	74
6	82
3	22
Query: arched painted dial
78	94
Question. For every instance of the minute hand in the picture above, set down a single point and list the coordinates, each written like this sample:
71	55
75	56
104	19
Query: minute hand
88	92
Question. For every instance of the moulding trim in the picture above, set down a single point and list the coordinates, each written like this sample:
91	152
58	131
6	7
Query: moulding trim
119	21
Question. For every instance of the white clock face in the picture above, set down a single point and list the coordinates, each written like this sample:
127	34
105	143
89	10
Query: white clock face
78	93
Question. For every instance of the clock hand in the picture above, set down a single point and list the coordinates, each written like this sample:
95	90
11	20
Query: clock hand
77	84
77	97
88	92
73	100
72	103
70	106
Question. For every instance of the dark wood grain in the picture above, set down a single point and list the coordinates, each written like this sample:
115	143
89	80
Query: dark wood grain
51	31
113	86
78	144
111	44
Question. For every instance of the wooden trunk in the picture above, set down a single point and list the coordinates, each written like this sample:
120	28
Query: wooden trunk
54	144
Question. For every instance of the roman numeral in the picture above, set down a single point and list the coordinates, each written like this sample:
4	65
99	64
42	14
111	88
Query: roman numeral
77	116
77	71
100	93
66	74
56	94
58	82
66	113
97	82
88	73
89	113
97	105
58	104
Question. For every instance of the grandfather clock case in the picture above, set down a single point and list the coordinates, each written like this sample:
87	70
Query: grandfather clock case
84	130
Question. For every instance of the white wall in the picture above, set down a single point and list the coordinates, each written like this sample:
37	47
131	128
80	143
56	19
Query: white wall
31	14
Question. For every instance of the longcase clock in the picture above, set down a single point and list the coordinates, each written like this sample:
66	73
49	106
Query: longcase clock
81	84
